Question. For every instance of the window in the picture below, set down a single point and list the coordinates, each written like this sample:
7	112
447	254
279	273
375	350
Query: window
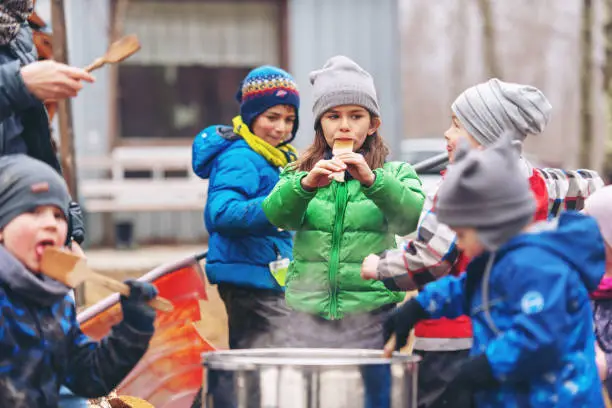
193	56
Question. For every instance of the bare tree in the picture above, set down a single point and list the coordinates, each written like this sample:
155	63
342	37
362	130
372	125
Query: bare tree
460	31
586	83
607	83
488	39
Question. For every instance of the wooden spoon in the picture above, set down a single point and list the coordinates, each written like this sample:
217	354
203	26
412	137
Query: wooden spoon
72	270
117	52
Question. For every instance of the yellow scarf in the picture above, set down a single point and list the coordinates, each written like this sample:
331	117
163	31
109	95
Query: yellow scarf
277	156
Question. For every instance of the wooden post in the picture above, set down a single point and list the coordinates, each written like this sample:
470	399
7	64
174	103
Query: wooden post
64	109
64	114
118	11
586	85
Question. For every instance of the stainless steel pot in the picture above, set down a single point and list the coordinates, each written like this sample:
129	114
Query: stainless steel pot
309	378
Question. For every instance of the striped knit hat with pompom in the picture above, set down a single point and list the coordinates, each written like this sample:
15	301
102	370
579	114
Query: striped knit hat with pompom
263	88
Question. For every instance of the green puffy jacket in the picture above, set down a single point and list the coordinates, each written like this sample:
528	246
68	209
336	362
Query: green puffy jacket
337	227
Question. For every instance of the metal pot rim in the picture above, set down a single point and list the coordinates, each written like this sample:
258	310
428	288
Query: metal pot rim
295	357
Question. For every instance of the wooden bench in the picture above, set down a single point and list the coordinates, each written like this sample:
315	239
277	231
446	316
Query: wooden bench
141	179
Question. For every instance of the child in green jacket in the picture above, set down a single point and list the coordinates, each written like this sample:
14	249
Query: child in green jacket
338	223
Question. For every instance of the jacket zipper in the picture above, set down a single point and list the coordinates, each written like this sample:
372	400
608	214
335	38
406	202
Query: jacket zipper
341	198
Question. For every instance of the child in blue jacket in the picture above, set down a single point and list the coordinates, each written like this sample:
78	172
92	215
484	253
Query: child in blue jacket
242	164
526	288
41	344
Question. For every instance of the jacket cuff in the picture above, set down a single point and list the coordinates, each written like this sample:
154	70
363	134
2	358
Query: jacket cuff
378	184
22	98
299	189
125	331
477	373
392	267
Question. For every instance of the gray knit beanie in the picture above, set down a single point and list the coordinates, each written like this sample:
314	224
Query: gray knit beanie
342	82
493	108
486	190
27	183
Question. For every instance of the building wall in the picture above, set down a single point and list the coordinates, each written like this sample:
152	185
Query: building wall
364	30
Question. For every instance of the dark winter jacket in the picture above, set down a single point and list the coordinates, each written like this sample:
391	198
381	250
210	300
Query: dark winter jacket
531	314
24	123
42	346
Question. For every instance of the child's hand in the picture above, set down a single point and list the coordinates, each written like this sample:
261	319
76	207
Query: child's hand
401	321
358	168
600	360
369	267
76	249
320	174
136	311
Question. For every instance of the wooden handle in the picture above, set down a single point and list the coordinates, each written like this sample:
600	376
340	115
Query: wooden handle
98	63
158	302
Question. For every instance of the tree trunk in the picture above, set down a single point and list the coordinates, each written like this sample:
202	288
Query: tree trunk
460	30
607	83
64	108
586	83
489	44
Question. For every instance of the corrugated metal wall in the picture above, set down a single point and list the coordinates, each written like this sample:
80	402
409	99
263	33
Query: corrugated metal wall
88	23
364	30
199	33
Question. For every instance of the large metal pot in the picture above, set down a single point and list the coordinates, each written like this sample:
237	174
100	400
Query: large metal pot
309	378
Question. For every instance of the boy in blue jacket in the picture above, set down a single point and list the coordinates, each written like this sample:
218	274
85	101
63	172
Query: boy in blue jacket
246	253
526	288
41	344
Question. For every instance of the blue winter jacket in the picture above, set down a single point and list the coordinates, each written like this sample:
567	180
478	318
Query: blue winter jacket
536	324
242	241
42	346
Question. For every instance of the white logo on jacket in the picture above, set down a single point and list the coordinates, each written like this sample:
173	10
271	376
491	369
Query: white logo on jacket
532	302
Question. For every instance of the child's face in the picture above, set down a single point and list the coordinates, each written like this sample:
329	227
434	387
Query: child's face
468	242
348	122
453	134
27	235
275	124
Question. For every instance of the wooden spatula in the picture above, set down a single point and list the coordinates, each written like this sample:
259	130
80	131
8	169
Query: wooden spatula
72	270
117	52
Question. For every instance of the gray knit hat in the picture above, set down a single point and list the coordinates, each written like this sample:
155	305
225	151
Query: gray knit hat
27	183
486	190
493	108
342	82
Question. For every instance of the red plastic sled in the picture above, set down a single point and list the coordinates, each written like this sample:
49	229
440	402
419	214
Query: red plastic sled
170	373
